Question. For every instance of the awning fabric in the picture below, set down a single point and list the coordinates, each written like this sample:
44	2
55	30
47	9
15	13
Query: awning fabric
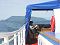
42	6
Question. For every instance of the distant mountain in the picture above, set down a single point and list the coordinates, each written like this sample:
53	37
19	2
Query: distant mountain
16	19
11	24
21	20
15	22
38	20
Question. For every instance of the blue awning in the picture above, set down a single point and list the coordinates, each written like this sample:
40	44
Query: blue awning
46	5
42	6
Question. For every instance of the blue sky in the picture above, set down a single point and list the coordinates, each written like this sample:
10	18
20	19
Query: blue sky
10	8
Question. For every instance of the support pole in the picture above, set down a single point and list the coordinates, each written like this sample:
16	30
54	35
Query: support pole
24	35
6	40
39	41
19	38
15	39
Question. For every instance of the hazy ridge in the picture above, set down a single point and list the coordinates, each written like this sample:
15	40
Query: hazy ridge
15	22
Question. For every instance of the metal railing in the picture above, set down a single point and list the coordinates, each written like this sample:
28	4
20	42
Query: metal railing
18	37
43	41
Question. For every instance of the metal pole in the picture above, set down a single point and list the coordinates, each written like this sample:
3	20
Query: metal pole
24	35
6	40
15	39
18	38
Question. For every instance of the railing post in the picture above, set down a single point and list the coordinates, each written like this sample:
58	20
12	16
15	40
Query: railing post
6	40
18	38
24	35
21	37
39	41
15	39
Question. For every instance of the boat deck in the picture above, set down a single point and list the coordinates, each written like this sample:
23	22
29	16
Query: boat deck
50	35
47	32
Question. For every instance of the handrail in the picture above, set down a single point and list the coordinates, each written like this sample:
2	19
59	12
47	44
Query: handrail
43	41
20	32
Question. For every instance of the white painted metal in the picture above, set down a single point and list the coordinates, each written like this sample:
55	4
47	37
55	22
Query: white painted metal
21	37
6	40
19	33
43	41
57	23
15	39
57	20
39	41
24	35
18	38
